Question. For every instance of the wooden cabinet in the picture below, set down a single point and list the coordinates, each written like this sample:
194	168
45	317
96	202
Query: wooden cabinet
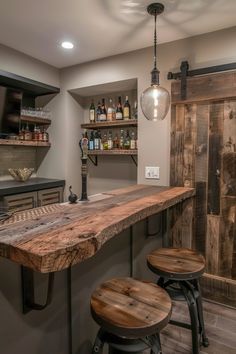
21	201
50	196
24	201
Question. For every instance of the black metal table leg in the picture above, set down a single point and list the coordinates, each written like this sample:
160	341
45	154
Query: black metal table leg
204	339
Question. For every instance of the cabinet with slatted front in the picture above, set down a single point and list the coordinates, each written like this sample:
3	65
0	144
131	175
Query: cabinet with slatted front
29	200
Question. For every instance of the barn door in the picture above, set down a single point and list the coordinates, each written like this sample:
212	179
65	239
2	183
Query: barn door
203	156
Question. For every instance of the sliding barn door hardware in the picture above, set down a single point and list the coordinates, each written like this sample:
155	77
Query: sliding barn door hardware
185	72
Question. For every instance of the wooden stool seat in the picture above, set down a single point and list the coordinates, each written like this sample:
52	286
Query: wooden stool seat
176	263
130	308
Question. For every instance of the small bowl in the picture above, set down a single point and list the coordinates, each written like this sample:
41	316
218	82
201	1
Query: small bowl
21	174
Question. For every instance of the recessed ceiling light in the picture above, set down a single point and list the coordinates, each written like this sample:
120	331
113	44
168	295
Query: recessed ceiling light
67	45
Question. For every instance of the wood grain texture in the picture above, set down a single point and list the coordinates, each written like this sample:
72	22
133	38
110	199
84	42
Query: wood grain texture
219	289
206	88
130	308
213	244
66	237
176	263
227	236
214	158
220	322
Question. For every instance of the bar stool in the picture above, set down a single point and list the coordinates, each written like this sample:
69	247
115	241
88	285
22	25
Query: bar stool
131	314
179	270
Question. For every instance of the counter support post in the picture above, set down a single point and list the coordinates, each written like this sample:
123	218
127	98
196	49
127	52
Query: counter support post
69	310
131	251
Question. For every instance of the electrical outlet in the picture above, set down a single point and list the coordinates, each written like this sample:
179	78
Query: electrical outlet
152	172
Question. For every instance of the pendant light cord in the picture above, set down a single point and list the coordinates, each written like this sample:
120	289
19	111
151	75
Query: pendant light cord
155	42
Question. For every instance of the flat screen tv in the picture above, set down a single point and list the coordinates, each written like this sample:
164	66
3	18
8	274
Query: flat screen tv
10	107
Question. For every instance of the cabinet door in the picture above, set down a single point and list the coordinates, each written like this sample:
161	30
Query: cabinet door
50	196
22	201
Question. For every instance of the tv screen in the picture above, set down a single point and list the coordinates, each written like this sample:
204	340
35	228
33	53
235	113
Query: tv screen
10	107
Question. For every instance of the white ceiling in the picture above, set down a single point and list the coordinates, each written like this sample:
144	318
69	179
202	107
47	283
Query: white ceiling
101	28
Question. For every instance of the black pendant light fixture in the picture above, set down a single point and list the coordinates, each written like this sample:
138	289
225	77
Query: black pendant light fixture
155	100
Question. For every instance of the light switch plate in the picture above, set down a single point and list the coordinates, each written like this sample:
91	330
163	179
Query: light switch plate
152	172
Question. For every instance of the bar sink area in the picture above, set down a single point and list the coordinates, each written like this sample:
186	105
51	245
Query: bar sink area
117	177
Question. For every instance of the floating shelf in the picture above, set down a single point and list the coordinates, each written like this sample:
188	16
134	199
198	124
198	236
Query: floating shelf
112	124
35	120
24	143
112	152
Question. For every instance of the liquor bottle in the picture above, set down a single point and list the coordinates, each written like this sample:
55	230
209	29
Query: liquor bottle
119	110
35	133
28	133
91	141
127	141
110	111
135	112
104	142
103	114
132	141
126	113
92	113
98	112
40	134
116	142
22	133
121	144
45	136
110	141
96	141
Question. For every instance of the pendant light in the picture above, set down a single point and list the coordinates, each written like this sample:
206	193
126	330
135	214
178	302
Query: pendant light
155	100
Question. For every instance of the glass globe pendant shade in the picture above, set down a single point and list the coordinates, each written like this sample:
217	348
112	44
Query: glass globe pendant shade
155	102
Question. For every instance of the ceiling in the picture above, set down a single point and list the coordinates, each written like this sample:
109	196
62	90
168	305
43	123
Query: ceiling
101	28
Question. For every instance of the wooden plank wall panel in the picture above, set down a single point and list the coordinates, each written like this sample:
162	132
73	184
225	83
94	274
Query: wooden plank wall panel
213	244
214	158
227	235
206	88
204	156
201	175
189	145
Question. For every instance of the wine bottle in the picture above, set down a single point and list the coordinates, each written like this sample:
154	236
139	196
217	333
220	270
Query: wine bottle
132	141
110	141
119	110
121	145
110	111
127	141
103	115
92	112
126	113
98	111
96	141
91	141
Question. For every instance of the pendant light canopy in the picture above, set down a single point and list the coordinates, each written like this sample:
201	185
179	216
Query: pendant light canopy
155	100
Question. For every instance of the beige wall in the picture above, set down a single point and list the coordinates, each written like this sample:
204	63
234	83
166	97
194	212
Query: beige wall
18	63
154	138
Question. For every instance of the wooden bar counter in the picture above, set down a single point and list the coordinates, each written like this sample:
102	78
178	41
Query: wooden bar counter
57	236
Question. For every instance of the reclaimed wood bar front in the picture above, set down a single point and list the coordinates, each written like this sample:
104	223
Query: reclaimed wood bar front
53	238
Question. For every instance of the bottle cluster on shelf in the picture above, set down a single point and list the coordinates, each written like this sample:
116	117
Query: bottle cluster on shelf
103	113
36	112
37	134
124	140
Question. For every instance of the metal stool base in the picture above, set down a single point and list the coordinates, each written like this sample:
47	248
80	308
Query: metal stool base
126	345
191	292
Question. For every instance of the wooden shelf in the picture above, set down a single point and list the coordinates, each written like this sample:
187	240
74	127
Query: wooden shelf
24	143
112	124
35	120
112	152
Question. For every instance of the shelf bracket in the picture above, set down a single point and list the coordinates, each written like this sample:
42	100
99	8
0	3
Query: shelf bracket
95	160
134	160
27	283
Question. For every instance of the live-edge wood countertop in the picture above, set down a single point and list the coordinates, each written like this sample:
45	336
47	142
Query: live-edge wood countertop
67	234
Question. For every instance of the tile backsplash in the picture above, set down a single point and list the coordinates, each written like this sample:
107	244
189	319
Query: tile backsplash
16	157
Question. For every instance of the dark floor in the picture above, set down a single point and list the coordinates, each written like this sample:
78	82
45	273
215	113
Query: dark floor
220	324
